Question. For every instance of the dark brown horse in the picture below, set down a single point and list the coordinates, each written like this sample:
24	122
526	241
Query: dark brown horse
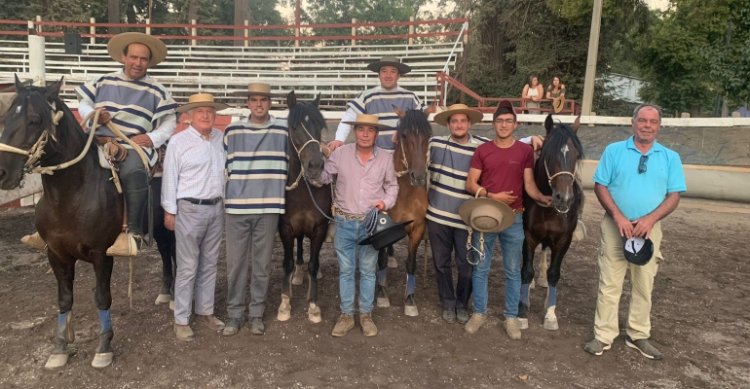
80	214
308	208
553	226
410	162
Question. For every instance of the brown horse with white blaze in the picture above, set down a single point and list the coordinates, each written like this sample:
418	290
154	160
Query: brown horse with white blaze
410	162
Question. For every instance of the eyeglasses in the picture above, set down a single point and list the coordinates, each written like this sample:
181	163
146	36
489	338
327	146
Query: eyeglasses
506	121
642	164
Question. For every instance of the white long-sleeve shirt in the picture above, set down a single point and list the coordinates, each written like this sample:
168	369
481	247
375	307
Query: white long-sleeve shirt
193	168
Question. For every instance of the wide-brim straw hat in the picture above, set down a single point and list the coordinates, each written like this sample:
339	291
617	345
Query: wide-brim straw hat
257	89
202	100
473	115
389	61
558	104
116	46
486	215
368	120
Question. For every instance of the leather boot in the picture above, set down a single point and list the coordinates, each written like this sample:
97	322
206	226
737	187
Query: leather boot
135	188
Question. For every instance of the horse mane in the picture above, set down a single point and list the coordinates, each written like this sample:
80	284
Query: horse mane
414	122
304	111
556	139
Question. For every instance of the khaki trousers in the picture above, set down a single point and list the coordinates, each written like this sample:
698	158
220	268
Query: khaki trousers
612	269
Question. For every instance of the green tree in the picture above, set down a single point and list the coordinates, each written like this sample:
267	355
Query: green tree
697	55
343	11
512	40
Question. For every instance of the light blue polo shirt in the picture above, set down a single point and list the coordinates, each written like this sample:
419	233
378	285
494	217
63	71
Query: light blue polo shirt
637	194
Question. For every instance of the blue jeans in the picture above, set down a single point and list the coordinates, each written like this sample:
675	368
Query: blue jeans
511	245
349	254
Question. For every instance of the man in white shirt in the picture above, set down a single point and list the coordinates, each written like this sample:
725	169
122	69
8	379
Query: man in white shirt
192	190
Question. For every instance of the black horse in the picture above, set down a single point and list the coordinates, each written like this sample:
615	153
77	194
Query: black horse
165	243
308	208
80	214
553	227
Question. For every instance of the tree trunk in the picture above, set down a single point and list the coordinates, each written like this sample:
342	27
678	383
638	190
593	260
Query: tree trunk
113	15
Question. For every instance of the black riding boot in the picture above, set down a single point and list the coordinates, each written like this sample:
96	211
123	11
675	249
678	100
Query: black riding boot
135	186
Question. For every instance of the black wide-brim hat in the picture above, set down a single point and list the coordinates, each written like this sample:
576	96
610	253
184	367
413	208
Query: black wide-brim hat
387	232
638	250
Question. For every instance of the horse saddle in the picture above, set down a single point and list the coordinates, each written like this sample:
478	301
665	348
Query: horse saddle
110	152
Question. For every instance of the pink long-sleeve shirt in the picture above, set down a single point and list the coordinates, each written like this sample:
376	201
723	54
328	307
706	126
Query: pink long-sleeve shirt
359	186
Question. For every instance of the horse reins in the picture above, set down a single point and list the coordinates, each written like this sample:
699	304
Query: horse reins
37	149
401	173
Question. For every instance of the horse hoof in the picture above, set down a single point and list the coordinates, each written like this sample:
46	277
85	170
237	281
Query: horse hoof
298	275
162	299
392	263
56	361
285	309
411	310
102	360
384	302
524	323
550	324
320	275
313	314
171	304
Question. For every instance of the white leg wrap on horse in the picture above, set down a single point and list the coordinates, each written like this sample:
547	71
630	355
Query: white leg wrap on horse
56	361
550	319
285	309
102	360
313	313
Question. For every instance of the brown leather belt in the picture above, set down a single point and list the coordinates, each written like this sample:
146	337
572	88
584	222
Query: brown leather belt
348	216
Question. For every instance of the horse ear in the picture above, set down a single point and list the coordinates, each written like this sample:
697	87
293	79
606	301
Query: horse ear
19	84
54	90
316	102
576	124
548	123
291	99
399	112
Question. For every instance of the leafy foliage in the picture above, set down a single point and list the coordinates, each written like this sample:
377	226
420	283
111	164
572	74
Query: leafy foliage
343	11
697	54
512	40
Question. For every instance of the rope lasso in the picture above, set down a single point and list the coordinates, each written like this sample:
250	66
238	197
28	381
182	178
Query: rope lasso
470	248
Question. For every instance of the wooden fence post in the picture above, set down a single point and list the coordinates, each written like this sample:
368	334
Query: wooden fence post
148	26
411	31
193	32
92	31
354	32
247	33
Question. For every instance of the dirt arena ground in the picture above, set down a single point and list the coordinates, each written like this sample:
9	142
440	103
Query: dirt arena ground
700	321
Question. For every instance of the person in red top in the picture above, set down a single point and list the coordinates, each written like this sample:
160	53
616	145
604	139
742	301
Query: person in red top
501	170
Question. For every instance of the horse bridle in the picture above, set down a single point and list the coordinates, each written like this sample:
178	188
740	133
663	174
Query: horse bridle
401	173
35	152
550	178
299	156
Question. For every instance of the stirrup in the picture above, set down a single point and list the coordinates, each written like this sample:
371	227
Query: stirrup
126	245
34	241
